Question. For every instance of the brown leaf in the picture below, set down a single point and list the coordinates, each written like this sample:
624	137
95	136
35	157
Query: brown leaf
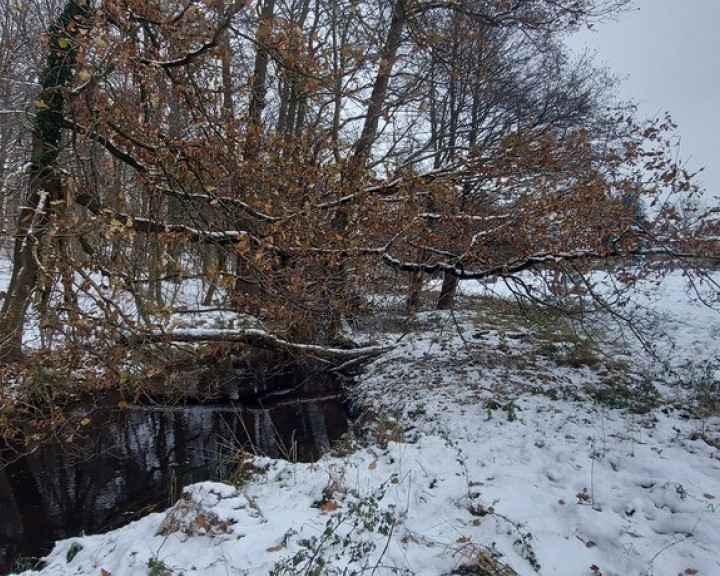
708	496
273	549
372	465
202	522
104	572
329	506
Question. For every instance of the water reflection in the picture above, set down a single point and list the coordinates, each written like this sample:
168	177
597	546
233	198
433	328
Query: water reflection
131	459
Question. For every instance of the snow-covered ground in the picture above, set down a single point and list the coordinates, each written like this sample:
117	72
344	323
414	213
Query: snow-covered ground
489	445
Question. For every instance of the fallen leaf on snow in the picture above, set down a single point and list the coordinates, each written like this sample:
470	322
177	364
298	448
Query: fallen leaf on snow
329	506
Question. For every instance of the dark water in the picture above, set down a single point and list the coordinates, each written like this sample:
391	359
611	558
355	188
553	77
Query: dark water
128	461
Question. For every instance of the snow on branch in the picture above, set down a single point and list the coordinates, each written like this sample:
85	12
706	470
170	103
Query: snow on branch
213	199
516	266
148	226
262	339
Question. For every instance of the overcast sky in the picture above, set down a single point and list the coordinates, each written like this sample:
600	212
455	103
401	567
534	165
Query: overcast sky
668	51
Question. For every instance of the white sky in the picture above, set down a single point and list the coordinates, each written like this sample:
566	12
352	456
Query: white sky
668	51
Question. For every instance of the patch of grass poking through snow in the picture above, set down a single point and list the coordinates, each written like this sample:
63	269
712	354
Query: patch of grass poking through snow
630	392
554	338
552	334
705	385
156	567
503	404
503	314
24	563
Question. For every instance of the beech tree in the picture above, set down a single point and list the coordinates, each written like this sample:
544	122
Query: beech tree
288	156
20	57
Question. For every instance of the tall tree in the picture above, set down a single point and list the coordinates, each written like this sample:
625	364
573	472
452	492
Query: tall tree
45	186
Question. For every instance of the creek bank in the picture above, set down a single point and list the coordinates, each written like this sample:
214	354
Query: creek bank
128	460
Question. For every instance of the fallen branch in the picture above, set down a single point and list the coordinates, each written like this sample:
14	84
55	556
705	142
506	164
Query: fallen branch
262	339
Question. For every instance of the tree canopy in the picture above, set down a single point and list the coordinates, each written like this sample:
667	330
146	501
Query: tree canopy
290	159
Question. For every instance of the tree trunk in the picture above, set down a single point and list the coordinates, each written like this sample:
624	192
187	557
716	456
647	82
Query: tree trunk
447	292
388	58
361	152
45	186
449	286
257	88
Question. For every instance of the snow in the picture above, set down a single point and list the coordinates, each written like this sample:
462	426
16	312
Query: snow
481	450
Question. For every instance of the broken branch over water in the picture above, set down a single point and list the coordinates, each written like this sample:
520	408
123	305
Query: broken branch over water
262	339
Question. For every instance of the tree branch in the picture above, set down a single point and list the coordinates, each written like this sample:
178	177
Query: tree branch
262	339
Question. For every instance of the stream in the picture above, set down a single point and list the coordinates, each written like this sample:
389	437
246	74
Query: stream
128	462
